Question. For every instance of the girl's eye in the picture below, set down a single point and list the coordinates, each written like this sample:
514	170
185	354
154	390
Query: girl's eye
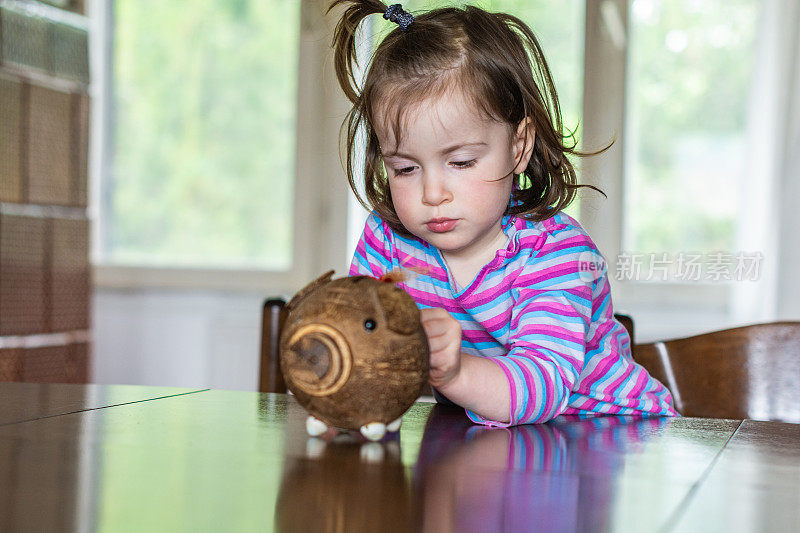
404	170
464	164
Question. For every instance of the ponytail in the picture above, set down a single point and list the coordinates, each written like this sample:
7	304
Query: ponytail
344	41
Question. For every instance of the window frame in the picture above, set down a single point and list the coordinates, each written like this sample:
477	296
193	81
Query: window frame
320	206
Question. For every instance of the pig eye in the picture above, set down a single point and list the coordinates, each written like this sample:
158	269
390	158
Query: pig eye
369	324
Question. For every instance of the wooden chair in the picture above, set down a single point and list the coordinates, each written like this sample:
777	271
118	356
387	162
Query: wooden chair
626	321
746	372
272	319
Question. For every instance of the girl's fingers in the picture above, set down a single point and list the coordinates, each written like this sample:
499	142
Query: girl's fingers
438	344
437	321
445	340
436	328
434	313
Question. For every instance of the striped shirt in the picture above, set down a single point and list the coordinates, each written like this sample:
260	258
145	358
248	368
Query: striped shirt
541	310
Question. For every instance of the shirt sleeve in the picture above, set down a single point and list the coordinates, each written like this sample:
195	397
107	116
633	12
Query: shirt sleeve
373	255
550	318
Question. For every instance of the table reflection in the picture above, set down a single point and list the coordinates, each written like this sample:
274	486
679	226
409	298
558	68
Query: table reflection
474	478
345	484
467	477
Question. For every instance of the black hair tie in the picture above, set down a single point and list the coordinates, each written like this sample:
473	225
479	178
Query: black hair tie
396	14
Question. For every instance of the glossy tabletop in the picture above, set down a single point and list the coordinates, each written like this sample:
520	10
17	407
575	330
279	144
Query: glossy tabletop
122	458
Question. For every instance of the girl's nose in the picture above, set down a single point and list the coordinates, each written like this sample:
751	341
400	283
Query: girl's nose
435	190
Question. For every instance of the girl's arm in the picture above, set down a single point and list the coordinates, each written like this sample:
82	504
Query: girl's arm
529	384
475	383
481	387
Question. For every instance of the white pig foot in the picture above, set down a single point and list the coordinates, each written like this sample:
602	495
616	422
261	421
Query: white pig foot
373	431
315	427
394	426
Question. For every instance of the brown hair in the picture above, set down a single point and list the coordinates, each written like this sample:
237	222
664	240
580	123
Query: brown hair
497	62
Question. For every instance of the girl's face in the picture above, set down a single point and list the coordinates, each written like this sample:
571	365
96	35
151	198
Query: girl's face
452	174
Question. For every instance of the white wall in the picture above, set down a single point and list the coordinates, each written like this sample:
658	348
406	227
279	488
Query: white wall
176	338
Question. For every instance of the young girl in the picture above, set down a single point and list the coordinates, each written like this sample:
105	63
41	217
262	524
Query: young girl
466	172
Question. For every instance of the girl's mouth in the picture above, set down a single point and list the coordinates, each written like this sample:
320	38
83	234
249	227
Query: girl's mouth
441	225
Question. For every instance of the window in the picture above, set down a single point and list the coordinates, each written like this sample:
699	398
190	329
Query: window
202	147
690	70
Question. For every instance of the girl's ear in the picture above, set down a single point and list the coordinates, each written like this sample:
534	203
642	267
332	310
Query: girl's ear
523	144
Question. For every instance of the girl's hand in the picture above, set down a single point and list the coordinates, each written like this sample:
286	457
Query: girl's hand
444	340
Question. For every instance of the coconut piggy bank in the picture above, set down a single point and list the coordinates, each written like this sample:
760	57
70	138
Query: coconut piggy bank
354	354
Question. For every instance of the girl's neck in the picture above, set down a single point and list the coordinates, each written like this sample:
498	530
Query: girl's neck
463	268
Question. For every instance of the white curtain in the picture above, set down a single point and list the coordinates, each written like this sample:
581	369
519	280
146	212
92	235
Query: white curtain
788	304
770	208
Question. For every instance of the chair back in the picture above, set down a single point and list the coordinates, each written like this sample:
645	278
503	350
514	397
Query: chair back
272	319
746	372
627	321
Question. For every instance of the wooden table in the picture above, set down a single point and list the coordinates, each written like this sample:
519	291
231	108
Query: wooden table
124	458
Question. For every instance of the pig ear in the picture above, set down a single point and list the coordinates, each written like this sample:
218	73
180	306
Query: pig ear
399	309
308	289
